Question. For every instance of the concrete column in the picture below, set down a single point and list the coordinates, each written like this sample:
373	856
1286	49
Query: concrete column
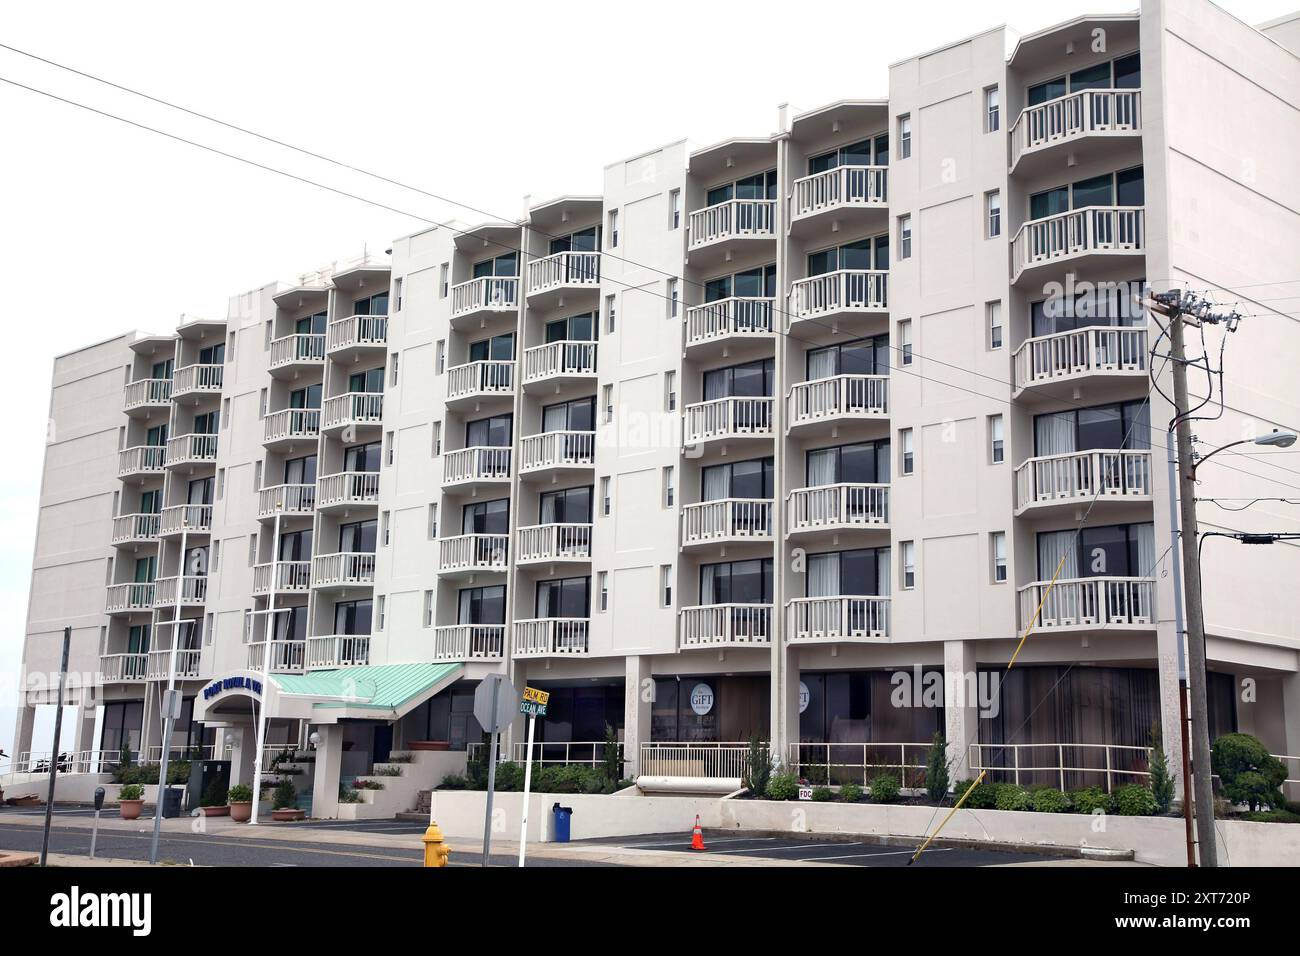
785	704
1167	640
638	699
26	723
85	727
325	786
1291	725
151	728
242	742
961	711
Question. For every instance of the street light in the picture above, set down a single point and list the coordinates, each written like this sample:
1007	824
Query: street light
1274	439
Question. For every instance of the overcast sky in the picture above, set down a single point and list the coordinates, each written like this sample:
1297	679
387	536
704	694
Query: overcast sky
105	227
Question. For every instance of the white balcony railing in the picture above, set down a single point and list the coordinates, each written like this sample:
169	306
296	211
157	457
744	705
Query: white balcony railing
556	359
281	576
838	618
1111	473
736	316
708	761
343	568
197	378
290	424
353	408
286	500
1075	115
465	642
838	506
735	218
146	392
481	378
129	597
186	661
176	519
356	331
189	589
564	270
480	463
1089	351
551	637
478	552
287	657
486	294
191	449
123	667
845	290
841	396
136	527
727	519
726	624
727	418
1089	602
558	450
338	650
839	187
1092	229
297	349
141	460
347	488
554	542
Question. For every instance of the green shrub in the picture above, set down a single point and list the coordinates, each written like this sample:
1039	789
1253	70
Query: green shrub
285	796
1248	772
983	797
884	788
1091	799
1134	800
1048	800
131	791
758	766
214	795
783	786
240	793
822	794
611	764
850	793
368	784
454	781
399	758
510	777
385	770
936	769
1011	797
1162	784
1273	816
348	795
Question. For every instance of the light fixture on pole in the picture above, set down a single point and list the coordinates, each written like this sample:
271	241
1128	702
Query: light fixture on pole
1274	439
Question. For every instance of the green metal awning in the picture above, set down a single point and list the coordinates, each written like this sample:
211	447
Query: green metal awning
385	691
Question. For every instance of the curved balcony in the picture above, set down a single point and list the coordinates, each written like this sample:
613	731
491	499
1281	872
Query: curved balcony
347	489
357	333
481	463
469	384
1096	353
1047	482
294	354
123	668
135	529
716	327
1080	237
556	364
286	500
129	598
469	554
840	507
469	642
146	395
483	298
196	380
343	569
725	625
725	229
839	294
1085	124
851	196
726	521
827	620
185	519
338	650
290	426
352	410
552	637
842	398
554	453
554	544
286	657
1088	603
191	450
550	279
186	664
282	576
190	590
727	419
141	461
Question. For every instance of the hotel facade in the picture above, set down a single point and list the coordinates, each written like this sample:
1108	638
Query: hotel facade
768	439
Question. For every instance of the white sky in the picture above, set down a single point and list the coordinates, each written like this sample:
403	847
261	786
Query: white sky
109	228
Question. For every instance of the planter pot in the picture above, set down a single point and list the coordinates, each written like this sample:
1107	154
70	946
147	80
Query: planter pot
25	801
287	816
241	812
130	809
215	811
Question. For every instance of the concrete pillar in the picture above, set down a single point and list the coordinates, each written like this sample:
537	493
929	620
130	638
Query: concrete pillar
26	723
638	699
961	710
325	786
242	742
85	727
785	706
1167	640
152	727
1291	725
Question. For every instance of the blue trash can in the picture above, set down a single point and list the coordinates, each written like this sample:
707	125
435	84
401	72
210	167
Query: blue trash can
562	816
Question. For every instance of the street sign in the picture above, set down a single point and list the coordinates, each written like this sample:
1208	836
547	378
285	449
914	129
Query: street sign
532	709
504	700
536	696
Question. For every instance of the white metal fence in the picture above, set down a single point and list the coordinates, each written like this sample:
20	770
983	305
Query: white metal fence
1085	602
841	186
1084	474
1084	113
356	331
839	505
732	219
726	518
859	396
838	618
727	317
726	624
845	290
463	642
1078	232
727	417
480	463
1097	349
711	761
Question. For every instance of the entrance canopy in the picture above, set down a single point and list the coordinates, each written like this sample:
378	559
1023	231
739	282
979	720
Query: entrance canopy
377	692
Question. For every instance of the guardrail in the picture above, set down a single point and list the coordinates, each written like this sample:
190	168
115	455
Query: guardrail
192	448
495	293
141	459
554	542
281	576
559	358
1088	351
286	499
147	391
713	761
187	589
551	637
844	290
347	488
860	763
564	269
197	378
480	463
464	642
291	423
839	187
1078	232
727	418
726	317
840	505
481	378
357	331
731	219
727	518
130	597
343	567
1087	602
865	396
1115	473
709	625
299	347
841	618
479	551
353	408
187	664
178	518
1084	113
558	450
136	527
123	667
338	650
286	656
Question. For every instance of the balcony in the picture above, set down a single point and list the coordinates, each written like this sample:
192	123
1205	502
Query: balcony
352	409
343	569
556	364
552	637
1088	603
286	657
551	453
140	461
469	554
190	590
483	298
469	642
551	278
850	196
726	521
197	380
186	664
179	519
842	398
278	576
347	489
480	463
1080	237
140	398
719	232
727	419
290	426
1048	481
471	383
357	333
828	620
135	529
554	543
294	354
1096	352
191	450
286	500
338	650
129	598
1087	122
839	294
123	668
839	507
726	323
725	625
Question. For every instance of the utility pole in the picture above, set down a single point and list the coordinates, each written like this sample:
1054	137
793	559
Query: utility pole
171	700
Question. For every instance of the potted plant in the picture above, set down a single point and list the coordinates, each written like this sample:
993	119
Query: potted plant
240	799
130	800
283	800
213	801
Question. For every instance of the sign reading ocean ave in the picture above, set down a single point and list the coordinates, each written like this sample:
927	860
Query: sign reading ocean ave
534	702
232	683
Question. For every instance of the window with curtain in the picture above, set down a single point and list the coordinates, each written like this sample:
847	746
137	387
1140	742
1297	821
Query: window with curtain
868	356
741	479
1123	550
481	605
371	380
358	536
506	264
864	254
578	415
570	506
861	572
486	517
364	457
737	582
864	463
749	379
574	328
1121	425
499	348
308	397
352	617
491	432
564	597
302	471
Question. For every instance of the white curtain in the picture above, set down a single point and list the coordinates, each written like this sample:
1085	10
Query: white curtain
548	510
555	419
717	483
1146	547
1051	546
823	575
1054	434
822	363
715	385
821	467
884	572
708	584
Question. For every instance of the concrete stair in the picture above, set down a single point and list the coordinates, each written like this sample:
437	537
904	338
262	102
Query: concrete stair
401	792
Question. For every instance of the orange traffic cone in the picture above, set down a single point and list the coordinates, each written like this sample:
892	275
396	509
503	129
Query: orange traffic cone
697	835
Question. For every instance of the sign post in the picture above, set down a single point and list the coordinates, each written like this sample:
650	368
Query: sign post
493	710
534	705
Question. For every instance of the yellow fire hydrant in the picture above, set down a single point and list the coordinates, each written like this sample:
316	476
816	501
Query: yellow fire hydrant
436	850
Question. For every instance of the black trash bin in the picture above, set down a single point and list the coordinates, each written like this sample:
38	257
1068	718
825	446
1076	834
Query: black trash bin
562	815
171	804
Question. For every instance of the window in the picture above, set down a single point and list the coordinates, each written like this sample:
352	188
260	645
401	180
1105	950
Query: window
906	452
1112	427
491	432
604	496
674	209
613	229
1123	73
225	414
904	237
390	439
905	342
392	370
998	556
603	579
376	304
567	506
221	483
666	585
216	556
266	345
991	112
873	151
997	453
563	598
670	390
437	439
584	240
992	214
907	564
433	520
673	293
428	609
380	607
397	293
904	136
994	312
862	255
607	401
386	529
609	315
440	357
669	493
758	186
252	550
739	582
444	274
